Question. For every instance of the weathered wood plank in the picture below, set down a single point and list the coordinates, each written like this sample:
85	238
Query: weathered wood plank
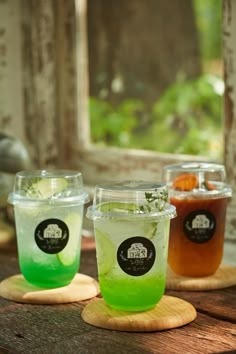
24	326
59	328
39	84
11	115
229	50
217	303
101	165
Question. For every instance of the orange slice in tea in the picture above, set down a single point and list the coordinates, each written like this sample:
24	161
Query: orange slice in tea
209	186
185	182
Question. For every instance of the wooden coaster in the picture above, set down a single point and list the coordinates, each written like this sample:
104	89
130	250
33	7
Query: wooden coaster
16	288
224	277
170	312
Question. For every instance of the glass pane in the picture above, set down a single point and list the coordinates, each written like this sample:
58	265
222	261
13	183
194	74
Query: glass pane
156	75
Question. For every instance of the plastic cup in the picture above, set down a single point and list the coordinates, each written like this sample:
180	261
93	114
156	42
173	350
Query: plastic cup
199	192
48	209
131	223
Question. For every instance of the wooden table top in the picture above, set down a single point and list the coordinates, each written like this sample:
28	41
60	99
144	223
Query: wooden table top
26	328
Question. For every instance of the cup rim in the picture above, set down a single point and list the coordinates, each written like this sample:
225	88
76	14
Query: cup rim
225	192
94	213
197	166
19	200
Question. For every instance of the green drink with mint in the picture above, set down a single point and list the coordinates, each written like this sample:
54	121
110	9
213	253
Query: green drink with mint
48	208
131	223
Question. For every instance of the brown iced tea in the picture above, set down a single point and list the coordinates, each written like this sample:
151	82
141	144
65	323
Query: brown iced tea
197	236
200	195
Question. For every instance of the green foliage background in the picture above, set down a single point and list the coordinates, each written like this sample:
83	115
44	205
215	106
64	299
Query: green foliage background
187	118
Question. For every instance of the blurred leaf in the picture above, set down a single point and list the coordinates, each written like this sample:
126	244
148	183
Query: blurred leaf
187	119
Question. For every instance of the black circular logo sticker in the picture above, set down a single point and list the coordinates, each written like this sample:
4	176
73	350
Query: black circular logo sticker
51	235
136	255
199	226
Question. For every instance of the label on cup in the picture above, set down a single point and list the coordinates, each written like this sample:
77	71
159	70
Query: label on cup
51	235
136	255
199	226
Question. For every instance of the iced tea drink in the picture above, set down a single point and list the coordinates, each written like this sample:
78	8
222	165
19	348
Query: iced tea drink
131	223
200	196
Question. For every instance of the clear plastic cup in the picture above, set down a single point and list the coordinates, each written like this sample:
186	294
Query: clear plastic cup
200	194
131	223
48	209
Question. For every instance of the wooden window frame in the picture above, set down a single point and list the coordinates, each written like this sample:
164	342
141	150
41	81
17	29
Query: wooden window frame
104	164
109	164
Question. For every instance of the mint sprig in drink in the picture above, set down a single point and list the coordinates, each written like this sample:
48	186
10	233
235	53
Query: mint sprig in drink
48	208
131	223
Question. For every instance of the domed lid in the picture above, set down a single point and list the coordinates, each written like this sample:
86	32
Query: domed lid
48	186
198	179
129	199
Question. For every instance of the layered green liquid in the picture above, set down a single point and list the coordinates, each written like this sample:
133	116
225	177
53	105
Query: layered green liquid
48	276
125	291
131	294
41	268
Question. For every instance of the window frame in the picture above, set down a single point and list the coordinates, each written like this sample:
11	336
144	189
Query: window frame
104	164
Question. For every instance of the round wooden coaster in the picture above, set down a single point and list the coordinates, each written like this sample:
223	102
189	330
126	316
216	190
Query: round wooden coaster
224	277
16	288
170	312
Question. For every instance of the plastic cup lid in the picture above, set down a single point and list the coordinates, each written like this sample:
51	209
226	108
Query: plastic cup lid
131	199
199	179
48	186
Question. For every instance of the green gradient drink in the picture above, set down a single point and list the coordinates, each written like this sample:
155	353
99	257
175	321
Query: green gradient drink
131	223
48	208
